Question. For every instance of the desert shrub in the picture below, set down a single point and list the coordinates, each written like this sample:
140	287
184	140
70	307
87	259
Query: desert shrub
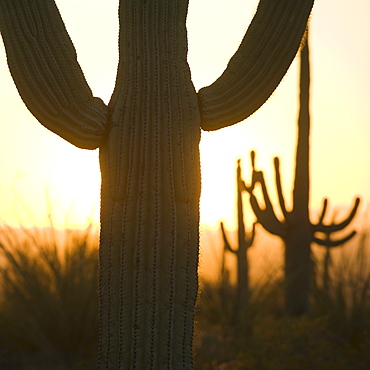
334	335
48	297
48	311
343	293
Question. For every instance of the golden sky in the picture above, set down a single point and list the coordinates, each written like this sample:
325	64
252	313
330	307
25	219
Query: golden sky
34	161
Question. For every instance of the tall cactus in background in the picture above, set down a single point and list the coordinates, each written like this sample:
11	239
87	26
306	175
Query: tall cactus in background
148	138
296	230
245	241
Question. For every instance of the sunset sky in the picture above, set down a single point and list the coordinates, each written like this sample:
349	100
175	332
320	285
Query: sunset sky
36	164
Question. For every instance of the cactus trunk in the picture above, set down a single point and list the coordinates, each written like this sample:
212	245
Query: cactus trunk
298	271
296	230
298	240
245	241
150	195
242	288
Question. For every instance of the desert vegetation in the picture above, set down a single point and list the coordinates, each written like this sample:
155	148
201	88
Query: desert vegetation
49	311
49	301
333	335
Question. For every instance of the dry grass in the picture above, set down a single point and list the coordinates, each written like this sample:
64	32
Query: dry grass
48	311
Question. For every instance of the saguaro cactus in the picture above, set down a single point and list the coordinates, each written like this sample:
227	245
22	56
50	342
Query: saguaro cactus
148	138
245	241
296	230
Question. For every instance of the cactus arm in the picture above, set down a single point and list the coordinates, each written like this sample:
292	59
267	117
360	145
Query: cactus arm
280	189
244	239
320	227
227	245
253	73
250	239
43	64
265	216
327	242
323	210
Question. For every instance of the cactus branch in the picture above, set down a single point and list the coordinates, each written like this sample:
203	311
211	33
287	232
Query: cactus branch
252	73
323	210
227	245
44	67
243	185
333	227
265	216
252	234
245	239
280	189
327	242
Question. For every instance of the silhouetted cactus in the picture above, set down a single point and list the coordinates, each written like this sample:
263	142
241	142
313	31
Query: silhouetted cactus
245	241
296	230
148	137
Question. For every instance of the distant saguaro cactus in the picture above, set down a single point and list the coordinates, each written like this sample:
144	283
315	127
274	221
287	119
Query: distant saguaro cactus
245	241
148	138
296	230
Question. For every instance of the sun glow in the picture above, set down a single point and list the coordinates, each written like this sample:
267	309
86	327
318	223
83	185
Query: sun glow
69	193
33	159
219	151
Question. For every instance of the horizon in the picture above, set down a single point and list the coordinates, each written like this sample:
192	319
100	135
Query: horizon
38	162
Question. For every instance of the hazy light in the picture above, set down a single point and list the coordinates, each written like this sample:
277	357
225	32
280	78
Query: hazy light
33	158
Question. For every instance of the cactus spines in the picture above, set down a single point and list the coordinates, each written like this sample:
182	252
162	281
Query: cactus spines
245	241
148	138
249	78
296	229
